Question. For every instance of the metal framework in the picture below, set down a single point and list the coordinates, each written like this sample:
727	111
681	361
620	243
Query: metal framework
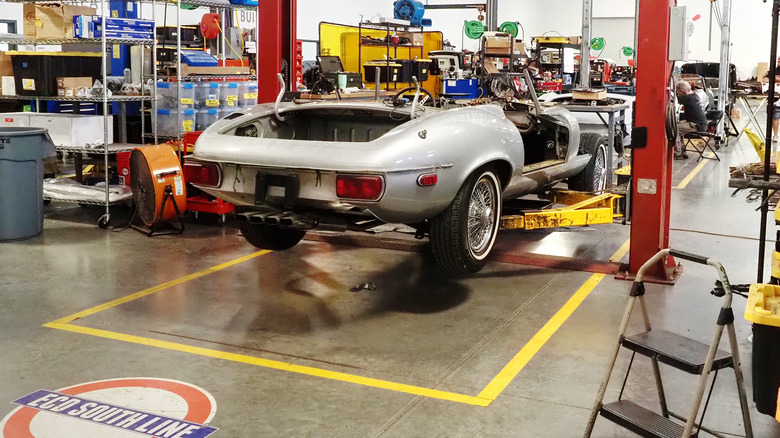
581	209
651	161
724	87
587	18
276	37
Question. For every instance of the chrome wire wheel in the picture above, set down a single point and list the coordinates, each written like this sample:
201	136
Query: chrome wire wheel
482	217
600	170
463	234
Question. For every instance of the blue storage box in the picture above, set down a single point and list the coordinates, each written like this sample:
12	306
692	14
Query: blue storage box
123	34
198	58
244	2
146	25
461	88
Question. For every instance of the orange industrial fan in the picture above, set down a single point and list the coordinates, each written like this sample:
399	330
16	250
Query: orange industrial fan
157	181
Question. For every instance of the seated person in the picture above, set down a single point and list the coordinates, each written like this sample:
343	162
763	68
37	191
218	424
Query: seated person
695	120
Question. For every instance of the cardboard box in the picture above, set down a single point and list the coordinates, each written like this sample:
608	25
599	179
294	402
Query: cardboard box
763	70
68	86
51	20
415	38
498	45
8	86
589	94
6	68
736	113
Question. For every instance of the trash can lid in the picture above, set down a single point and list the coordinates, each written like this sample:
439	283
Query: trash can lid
18	131
763	306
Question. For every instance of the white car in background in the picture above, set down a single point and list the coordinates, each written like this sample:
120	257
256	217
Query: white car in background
597	122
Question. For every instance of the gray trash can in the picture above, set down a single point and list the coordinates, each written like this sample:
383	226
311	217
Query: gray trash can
22	151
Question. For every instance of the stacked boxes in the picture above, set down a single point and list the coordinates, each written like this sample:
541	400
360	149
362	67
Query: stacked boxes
247	94
69	86
168	120
228	95
168	94
175	107
92	26
207	95
205	118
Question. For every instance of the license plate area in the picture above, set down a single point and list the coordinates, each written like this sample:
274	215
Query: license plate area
271	183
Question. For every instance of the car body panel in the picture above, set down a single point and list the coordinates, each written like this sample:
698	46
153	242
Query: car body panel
451	143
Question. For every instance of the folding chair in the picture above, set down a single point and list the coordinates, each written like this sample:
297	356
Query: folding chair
701	141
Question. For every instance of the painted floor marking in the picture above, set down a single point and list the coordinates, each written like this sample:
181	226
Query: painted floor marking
521	359
696	170
138	401
485	397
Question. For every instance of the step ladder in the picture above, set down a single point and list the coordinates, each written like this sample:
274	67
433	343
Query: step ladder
679	352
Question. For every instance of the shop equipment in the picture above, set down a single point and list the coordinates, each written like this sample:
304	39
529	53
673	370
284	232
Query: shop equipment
411	10
157	181
678	352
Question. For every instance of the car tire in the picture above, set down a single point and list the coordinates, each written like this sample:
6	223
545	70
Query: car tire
593	177
460	248
270	236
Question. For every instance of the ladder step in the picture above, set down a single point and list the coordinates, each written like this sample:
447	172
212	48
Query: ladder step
641	421
675	350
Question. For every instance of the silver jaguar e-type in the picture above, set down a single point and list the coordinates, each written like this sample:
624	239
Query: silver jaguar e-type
344	165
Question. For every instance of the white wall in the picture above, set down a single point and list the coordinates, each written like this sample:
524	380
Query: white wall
751	27
751	22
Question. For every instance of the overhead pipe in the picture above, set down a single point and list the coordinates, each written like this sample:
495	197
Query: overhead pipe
587	17
491	17
724	87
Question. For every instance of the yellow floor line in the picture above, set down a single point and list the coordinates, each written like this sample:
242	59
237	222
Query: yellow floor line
277	365
521	359
485	397
158	288
696	170
621	252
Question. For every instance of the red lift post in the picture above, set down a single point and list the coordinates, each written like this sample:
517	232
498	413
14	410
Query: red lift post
276	41
652	164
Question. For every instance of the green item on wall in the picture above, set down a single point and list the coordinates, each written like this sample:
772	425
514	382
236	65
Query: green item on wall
474	29
510	27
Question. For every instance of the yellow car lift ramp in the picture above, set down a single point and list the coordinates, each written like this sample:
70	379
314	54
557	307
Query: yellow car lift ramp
580	209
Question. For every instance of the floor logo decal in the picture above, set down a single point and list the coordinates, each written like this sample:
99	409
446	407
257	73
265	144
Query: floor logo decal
115	408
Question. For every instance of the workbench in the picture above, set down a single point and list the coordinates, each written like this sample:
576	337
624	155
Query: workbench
611	111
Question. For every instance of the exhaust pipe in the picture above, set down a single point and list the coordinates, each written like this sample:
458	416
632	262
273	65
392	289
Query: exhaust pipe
275	219
294	221
298	222
259	218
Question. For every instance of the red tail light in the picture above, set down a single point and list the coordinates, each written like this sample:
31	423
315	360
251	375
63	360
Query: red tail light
363	187
428	179
202	173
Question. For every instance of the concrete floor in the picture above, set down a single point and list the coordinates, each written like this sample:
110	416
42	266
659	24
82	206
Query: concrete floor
286	349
